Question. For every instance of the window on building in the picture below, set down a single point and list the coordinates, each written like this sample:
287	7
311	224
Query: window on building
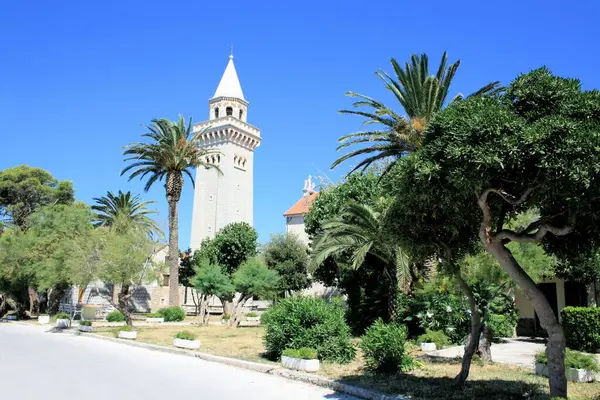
241	113
229	111
216	112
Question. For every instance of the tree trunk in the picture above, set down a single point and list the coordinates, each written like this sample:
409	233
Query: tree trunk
227	303
123	304
473	338
115	293
392	294
485	343
236	316
7	302
34	305
555	350
53	299
173	254
203	309
195	300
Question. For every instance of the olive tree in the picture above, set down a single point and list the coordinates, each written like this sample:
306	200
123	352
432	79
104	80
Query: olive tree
487	159
252	279
210	280
287	255
231	247
126	262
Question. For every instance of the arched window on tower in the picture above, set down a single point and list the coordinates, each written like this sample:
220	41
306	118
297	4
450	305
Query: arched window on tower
241	113
216	112
229	111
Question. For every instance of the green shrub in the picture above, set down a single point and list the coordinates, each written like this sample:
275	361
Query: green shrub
503	315
305	353
438	337
540	357
573	359
252	315
383	348
185	335
115	316
154	315
226	317
85	323
63	316
367	295
172	314
437	308
298	322
502	325
582	327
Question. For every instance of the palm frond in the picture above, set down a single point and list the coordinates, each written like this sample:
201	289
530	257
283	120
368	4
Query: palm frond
112	207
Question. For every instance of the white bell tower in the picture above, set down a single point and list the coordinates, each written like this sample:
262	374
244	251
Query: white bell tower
226	197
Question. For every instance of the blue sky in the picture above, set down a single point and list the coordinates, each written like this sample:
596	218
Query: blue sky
79	79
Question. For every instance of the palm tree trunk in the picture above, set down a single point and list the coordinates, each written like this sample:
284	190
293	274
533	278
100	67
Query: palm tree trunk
392	293
173	254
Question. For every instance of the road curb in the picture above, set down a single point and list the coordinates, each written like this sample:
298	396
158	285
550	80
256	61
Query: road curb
316	380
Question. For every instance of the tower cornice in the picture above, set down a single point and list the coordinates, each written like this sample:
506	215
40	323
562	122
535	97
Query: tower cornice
228	129
226	98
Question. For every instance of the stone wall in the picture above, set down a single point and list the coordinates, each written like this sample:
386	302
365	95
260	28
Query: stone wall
149	298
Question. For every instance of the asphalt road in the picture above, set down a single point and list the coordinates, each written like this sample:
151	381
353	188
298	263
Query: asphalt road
35	364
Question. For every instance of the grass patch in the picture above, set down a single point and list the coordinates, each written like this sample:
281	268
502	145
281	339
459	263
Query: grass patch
432	382
242	343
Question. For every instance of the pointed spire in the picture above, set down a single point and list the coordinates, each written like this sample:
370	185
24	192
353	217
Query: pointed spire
229	86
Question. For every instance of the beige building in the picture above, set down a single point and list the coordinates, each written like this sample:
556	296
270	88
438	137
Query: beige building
560	294
294	224
223	198
294	217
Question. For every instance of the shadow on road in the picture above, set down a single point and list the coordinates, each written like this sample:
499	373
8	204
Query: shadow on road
442	388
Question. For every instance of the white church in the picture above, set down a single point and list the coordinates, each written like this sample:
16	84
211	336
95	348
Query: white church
226	197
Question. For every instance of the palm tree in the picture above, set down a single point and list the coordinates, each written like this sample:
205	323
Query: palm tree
420	95
358	231
112	206
174	150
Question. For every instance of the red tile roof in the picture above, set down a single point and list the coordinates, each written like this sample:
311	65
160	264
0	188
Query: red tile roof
302	206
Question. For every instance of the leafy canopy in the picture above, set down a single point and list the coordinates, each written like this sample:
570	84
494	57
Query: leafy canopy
45	254
127	257
108	208
287	255
251	279
254	278
419	94
537	147
232	246
362	187
24	189
174	150
211	280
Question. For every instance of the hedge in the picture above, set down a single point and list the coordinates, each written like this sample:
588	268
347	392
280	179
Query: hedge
582	327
